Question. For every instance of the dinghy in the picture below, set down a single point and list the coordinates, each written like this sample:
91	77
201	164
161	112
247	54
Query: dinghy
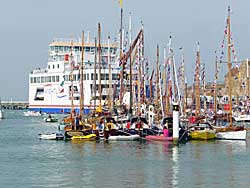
51	136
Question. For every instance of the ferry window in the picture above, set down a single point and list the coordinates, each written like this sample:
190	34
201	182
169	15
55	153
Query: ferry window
84	77
60	48
56	49
58	66
87	76
48	66
38	80
87	49
53	66
92	49
115	77
49	79
42	79
76	48
31	80
102	76
57	78
74	77
92	76
53	79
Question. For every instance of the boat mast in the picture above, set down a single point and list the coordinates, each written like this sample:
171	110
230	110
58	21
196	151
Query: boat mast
197	83
94	85
130	69
215	85
248	84
143	74
110	78
139	80
165	80
81	81
157	82
229	67
71	86
204	86
122	63
99	67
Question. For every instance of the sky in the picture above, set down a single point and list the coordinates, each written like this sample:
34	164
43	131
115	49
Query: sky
28	26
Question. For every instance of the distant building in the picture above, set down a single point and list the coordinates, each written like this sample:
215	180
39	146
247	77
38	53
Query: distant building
239	82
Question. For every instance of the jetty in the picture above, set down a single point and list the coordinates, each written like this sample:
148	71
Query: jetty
15	105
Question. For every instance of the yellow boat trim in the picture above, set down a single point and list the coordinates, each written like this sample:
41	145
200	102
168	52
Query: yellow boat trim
84	137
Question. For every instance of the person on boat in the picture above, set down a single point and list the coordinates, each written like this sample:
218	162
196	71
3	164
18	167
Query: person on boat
128	125
165	131
77	120
49	116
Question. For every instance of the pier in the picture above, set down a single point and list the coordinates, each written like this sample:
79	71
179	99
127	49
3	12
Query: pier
15	105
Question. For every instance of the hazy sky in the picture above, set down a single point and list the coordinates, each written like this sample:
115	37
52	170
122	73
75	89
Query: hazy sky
28	26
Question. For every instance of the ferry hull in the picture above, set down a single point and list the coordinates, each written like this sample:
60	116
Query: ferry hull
56	110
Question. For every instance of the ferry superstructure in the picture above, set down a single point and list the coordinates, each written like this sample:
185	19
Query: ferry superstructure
49	88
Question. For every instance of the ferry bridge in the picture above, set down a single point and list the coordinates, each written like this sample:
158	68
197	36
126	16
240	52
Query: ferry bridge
15	105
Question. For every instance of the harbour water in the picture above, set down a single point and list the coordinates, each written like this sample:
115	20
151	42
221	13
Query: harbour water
26	161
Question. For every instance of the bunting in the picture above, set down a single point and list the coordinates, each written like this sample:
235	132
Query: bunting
120	2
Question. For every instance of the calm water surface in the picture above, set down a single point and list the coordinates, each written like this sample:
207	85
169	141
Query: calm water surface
26	161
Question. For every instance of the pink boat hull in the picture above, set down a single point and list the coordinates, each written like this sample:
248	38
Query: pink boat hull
159	138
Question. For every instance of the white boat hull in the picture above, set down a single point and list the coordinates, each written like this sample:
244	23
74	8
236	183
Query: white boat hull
32	113
242	118
52	136
1	114
124	138
232	135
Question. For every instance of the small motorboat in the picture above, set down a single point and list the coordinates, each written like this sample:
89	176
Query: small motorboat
51	119
32	113
1	114
51	136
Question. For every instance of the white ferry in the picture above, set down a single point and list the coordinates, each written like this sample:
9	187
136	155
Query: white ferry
49	88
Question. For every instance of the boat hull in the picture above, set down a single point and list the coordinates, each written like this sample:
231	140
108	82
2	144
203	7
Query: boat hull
159	138
1	114
52	136
124	137
202	135
84	137
51	120
232	135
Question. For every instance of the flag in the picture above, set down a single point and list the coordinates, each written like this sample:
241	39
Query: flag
120	2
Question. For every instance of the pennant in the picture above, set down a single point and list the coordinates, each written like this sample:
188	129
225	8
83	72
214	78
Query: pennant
120	2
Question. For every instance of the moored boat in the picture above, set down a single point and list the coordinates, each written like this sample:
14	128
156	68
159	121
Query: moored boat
159	138
232	135
201	131
84	137
1	114
51	120
51	136
124	137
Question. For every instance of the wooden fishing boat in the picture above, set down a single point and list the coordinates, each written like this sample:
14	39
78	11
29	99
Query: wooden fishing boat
201	131
230	132
232	135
